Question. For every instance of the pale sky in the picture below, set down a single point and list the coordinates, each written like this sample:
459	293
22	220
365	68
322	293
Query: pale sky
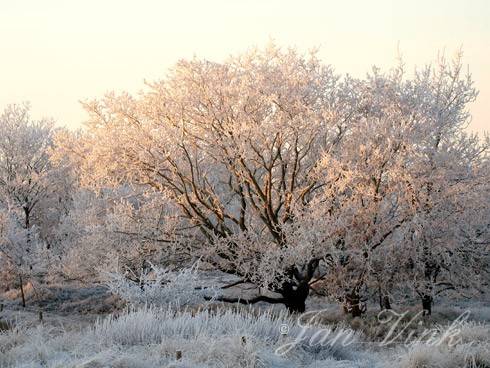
57	52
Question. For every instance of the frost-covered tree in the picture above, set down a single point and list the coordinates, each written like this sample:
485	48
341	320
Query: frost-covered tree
25	182
22	253
24	161
420	187
451	178
234	146
282	172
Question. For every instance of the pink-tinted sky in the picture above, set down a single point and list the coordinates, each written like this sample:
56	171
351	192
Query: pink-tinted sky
57	52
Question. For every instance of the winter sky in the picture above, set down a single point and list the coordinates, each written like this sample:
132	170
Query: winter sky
57	52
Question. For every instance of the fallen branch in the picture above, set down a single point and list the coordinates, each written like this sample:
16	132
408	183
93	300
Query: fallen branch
260	298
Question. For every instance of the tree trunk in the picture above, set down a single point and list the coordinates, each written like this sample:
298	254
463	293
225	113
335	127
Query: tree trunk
384	302
22	291
352	304
295	297
27	214
384	299
427	305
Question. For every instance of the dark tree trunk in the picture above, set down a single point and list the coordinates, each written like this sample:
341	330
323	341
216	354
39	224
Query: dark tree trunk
384	299
353	305
384	302
294	292
22	291
292	296
295	297
427	305
27	214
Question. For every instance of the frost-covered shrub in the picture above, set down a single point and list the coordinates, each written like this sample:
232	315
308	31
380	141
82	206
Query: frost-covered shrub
122	225
160	286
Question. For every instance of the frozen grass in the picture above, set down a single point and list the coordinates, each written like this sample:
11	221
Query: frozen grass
147	338
469	348
461	356
152	337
